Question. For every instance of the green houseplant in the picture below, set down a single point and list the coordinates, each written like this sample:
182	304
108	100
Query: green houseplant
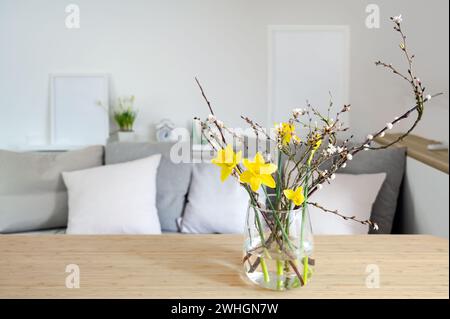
125	114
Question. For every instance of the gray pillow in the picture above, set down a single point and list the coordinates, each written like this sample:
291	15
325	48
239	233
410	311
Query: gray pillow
392	162
172	181
32	193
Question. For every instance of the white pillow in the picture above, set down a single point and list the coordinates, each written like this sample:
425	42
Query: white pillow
351	195
213	206
114	199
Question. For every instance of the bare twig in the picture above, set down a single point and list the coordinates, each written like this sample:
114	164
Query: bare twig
353	218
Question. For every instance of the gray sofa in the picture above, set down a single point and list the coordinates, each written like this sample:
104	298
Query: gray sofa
33	199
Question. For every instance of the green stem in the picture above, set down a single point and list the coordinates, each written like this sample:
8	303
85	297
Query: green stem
280	273
264	270
305	269
279	180
263	241
304	215
277	220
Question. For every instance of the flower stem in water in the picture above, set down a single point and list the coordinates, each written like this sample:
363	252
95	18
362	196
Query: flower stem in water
280	274
264	269
305	269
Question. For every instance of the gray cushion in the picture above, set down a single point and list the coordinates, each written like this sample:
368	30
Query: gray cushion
172	181
32	193
392	162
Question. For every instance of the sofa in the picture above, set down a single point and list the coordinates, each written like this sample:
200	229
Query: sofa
33	198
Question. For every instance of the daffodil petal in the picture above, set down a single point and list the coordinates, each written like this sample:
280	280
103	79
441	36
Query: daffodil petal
299	199
259	159
225	173
255	183
245	177
267	180
246	163
288	193
268	169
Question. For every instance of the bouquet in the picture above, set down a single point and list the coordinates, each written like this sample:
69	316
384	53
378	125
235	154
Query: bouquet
278	236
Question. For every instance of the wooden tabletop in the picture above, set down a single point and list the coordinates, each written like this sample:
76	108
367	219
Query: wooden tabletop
417	148
209	266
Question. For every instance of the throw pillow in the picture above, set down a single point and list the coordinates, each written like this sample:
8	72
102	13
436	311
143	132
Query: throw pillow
114	199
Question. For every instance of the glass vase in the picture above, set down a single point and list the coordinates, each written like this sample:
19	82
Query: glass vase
278	248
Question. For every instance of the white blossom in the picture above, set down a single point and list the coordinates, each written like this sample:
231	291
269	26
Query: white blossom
389	126
428	97
220	124
297	112
398	19
344	165
349	157
331	149
333	177
375	226
211	118
370	137
319	186
383	134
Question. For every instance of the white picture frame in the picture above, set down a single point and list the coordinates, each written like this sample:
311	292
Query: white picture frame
79	114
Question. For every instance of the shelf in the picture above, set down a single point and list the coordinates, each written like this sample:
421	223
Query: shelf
417	149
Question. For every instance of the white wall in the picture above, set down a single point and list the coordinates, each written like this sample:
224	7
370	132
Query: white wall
153	49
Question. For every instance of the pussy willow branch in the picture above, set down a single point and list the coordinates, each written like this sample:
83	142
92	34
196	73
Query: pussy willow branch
336	212
210	109
398	119
257	128
416	86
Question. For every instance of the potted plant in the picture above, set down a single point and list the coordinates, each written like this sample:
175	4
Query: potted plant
125	115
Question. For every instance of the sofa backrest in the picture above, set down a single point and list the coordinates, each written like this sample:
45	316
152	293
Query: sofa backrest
32	193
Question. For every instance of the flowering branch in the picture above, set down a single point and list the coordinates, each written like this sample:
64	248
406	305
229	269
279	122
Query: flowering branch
353	218
415	82
319	148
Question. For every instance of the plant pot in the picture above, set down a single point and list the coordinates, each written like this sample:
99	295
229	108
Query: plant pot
278	247
120	136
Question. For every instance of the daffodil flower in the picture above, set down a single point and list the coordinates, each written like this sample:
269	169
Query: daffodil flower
227	160
296	196
286	132
258	172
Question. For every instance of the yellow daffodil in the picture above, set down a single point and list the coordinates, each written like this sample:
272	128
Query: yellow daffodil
227	160
296	196
286	132
258	172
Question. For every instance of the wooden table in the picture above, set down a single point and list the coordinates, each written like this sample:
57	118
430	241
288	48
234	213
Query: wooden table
192	266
